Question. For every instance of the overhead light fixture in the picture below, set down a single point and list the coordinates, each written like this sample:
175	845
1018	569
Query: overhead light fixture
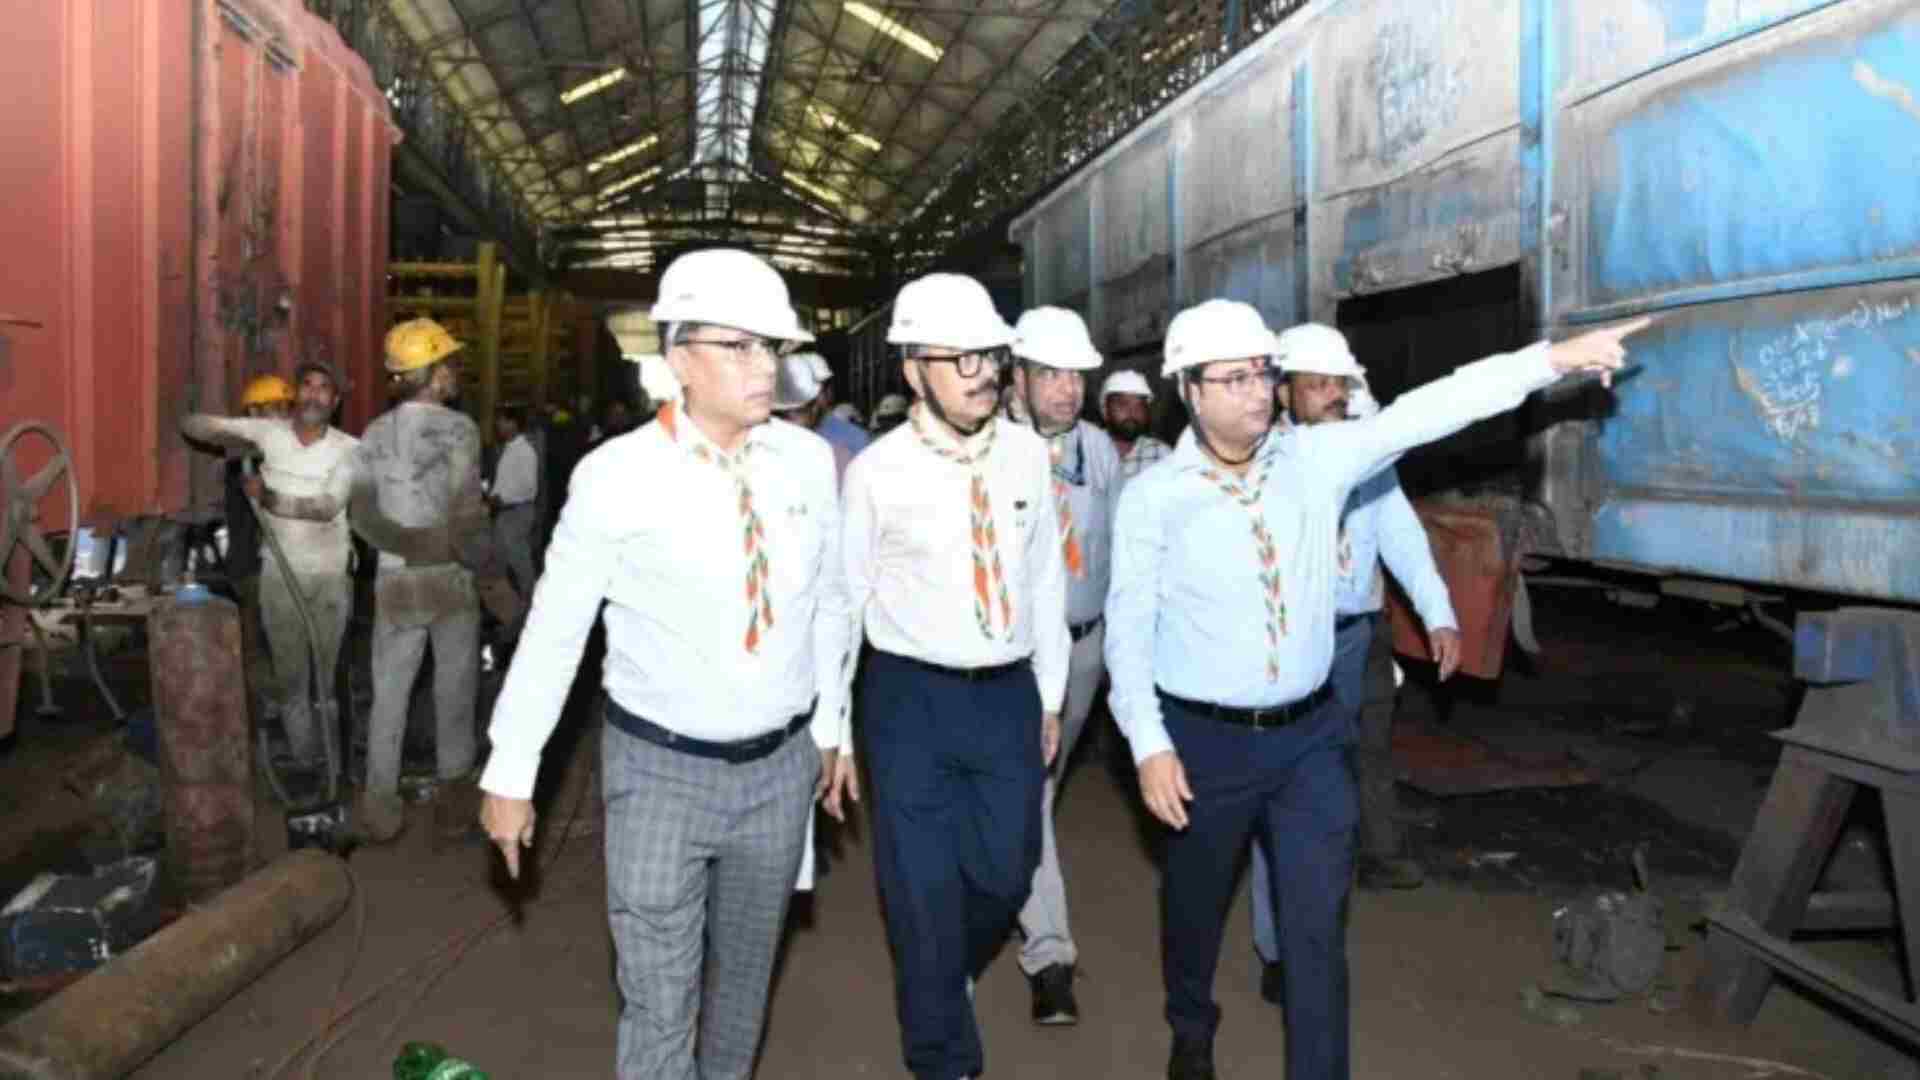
614	157
622	185
812	188
594	85
834	123
894	30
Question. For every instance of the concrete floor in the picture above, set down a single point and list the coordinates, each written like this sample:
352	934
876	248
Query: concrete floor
1437	977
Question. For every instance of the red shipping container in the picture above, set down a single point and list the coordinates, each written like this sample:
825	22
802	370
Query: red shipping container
192	192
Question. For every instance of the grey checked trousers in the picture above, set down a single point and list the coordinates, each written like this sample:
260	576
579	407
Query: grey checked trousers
701	858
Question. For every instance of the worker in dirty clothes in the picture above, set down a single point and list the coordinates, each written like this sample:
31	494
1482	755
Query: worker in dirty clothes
266	397
301	489
955	562
1126	404
417	500
727	635
1220	638
1052	355
515	498
1322	383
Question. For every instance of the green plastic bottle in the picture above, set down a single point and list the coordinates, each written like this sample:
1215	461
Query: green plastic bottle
429	1061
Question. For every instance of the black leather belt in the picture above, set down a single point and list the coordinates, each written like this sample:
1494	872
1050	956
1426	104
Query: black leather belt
970	674
737	753
1080	630
1341	622
1260	719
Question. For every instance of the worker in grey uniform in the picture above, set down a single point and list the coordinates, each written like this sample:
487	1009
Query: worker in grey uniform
417	499
1053	353
302	487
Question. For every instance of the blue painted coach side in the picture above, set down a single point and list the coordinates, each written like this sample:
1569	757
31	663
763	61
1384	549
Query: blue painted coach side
1747	170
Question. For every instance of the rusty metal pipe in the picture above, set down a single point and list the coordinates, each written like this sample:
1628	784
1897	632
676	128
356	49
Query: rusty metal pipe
127	1011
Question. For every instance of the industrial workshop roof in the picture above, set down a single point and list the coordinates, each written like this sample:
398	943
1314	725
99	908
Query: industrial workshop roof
813	130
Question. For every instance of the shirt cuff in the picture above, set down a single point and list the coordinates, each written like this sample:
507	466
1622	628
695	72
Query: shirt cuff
1148	736
510	775
828	727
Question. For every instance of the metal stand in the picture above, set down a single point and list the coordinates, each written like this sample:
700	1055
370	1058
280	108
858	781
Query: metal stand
1860	725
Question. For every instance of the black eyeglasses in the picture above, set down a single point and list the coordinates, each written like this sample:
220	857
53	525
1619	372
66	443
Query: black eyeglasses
1242	381
969	364
743	349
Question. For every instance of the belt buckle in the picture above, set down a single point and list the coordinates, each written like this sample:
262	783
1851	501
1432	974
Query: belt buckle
1259	718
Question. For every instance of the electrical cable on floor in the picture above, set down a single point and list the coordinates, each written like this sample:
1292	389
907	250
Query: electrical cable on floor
455	948
329	1017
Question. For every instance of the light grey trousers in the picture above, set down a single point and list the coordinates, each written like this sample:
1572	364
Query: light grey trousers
513	533
330	602
412	607
1043	921
701	857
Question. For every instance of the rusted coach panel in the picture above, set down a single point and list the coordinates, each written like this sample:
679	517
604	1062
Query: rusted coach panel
191	192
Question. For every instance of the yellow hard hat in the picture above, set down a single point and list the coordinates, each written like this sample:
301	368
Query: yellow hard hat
266	390
417	343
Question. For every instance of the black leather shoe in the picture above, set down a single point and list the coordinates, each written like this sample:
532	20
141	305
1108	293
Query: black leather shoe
1192	1059
1053	1003
1273	984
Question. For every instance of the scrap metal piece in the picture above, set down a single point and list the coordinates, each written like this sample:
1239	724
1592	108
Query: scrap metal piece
128	1010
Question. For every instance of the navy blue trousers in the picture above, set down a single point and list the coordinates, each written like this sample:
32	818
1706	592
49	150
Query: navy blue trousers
1291	789
957	783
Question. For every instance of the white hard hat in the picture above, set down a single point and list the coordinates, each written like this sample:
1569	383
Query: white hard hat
657	378
821	370
890	406
794	383
1317	349
728	287
952	311
1057	338
1125	382
1215	330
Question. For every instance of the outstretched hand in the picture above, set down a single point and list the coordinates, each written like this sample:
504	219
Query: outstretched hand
1596	350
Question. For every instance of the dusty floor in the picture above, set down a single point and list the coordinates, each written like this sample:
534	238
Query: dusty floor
1673	709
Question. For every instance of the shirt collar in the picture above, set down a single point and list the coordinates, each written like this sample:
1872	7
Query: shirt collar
943	435
1188	456
681	431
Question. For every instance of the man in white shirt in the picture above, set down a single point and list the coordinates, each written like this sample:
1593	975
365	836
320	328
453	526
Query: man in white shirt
1126	403
515	496
1220	639
728	636
1052	356
305	480
954	561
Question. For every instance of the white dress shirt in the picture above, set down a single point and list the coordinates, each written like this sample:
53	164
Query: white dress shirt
670	562
516	476
1186	612
909	551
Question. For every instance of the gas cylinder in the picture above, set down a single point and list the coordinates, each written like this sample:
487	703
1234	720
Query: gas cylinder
205	743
